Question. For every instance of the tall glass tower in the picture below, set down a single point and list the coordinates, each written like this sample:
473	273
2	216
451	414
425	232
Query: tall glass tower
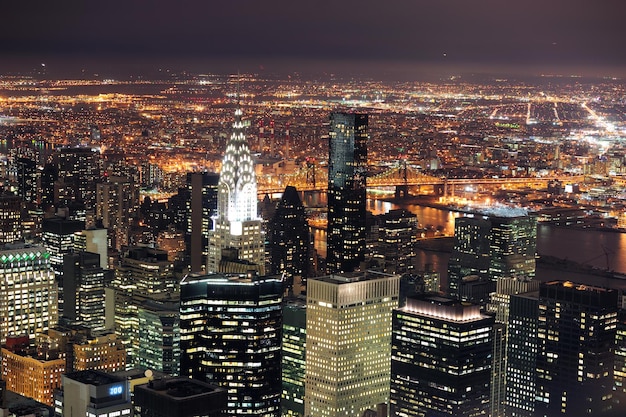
237	224
347	165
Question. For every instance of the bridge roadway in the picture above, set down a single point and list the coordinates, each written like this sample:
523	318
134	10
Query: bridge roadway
428	180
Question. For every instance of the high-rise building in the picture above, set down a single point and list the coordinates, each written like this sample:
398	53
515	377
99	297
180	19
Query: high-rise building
620	359
159	335
289	240
201	208
144	273
78	173
93	393
231	330
237	224
28	176
58	239
576	332
28	292
441	359
10	218
347	169
95	241
179	397
490	245
83	289
117	202
521	355
397	231
348	350
293	357
500	306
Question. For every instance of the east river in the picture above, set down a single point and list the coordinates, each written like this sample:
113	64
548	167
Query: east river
591	248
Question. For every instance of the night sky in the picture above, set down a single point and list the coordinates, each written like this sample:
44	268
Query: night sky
487	34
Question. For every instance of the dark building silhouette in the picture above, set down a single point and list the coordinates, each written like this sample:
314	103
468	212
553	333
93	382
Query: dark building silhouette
79	171
441	358
83	287
201	207
10	218
575	352
289	239
347	166
231	330
28	177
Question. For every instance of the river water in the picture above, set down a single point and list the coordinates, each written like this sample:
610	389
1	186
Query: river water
599	249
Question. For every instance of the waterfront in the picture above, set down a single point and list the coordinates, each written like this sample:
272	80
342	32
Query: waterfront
590	248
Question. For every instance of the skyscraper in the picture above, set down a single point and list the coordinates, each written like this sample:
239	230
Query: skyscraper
117	201
347	169
10	218
201	206
83	286
441	359
293	357
289	238
490	245
348	351
231	330
78	172
576	334
28	292
237	224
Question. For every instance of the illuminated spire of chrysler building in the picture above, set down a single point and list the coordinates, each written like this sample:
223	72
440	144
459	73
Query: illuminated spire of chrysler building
237	224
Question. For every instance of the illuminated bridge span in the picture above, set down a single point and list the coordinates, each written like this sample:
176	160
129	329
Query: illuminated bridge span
312	179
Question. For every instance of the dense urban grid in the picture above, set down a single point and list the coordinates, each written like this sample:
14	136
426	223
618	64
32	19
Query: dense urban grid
264	245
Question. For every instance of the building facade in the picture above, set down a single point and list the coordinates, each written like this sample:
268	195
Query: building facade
237	225
231	329
441	359
348	325
347	168
28	292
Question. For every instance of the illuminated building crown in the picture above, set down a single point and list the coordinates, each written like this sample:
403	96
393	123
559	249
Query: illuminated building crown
237	198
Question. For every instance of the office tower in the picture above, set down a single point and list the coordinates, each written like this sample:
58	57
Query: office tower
28	292
28	176
179	397
231	335
78	173
117	202
347	169
10	218
100	353
143	273
500	305
441	359
201	206
83	289
348	350
146	270
397	231
293	357
237	224
58	239
30	370
49	176
521	355
490	245
159	335
93	393
288	239
576	332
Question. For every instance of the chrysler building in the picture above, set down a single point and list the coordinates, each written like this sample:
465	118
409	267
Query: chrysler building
236	239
